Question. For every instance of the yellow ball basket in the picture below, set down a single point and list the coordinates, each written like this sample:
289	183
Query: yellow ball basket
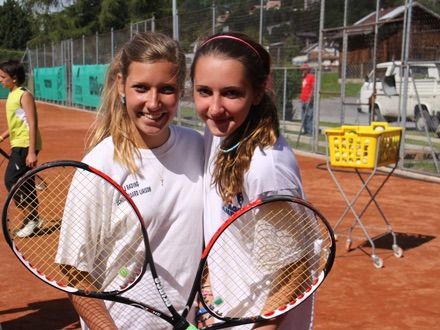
356	146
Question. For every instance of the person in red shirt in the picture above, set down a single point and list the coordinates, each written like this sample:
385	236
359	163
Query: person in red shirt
306	98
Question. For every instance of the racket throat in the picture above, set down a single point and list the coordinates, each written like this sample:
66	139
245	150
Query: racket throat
162	292
182	324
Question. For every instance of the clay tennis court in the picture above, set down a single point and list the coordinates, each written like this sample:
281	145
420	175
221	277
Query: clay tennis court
357	295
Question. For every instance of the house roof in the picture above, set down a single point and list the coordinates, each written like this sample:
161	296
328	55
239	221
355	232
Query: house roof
384	14
366	24
391	13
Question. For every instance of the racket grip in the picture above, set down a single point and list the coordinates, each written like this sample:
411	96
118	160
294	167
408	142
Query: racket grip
184	325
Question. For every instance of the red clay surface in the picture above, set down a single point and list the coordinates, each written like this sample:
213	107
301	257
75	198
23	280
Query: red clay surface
401	295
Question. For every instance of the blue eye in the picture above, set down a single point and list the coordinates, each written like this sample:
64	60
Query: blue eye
232	94
140	88
203	91
168	90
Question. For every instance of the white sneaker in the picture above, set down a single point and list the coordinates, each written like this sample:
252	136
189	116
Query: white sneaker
29	228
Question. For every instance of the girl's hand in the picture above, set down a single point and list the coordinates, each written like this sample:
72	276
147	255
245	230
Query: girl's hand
31	159
203	318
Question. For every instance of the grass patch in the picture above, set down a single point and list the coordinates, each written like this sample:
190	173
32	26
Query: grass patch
188	112
422	166
331	87
421	143
420	133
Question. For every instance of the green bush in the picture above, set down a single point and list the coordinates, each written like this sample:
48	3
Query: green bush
293	88
9	54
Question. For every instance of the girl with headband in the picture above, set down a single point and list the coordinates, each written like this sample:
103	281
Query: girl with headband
245	154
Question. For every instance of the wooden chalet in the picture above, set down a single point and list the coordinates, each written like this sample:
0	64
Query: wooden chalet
424	38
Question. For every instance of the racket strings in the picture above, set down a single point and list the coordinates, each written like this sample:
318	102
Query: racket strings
43	208
101	246
272	247
72	196
296	278
275	254
40	183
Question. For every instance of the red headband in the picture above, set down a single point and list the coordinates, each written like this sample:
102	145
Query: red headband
225	36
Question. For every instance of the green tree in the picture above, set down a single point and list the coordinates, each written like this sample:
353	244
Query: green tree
113	14
15	26
143	9
42	5
87	13
80	18
241	20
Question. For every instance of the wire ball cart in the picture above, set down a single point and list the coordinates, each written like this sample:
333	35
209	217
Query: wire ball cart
364	148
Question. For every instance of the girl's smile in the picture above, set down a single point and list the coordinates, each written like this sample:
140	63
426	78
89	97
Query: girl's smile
223	96
151	95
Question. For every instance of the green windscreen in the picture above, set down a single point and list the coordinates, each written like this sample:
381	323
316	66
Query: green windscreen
50	83
87	82
3	92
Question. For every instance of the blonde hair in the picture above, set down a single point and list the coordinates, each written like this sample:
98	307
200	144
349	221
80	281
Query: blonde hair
261	127
112	118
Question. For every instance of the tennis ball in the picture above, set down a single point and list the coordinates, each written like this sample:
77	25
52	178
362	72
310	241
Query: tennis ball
218	301
379	128
123	272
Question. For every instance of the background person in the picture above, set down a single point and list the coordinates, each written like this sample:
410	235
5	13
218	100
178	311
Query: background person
245	154
306	98
24	137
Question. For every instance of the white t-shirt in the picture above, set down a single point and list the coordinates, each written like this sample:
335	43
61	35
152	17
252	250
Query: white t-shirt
169	194
271	169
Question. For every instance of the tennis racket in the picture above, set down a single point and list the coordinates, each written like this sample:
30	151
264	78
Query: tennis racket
94	242
40	184
265	260
268	258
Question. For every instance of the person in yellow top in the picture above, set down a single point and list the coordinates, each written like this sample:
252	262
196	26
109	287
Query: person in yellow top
24	137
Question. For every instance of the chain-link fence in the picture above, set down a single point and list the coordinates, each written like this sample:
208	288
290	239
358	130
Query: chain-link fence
400	42
393	58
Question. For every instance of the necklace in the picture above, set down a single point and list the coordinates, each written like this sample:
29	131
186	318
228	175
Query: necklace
235	146
159	174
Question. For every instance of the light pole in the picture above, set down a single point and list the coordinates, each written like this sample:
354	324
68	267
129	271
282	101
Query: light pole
260	39
175	21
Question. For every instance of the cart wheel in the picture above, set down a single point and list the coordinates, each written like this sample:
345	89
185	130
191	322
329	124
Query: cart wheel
378	262
398	252
348	244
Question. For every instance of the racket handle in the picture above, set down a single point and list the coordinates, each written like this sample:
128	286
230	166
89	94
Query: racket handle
184	325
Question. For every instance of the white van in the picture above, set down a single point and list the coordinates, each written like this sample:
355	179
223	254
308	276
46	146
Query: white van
389	87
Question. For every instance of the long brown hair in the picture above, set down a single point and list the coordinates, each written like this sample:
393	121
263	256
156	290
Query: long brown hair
261	127
112	119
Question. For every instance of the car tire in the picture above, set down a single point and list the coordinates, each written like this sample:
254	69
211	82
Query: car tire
377	116
435	124
420	121
423	118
